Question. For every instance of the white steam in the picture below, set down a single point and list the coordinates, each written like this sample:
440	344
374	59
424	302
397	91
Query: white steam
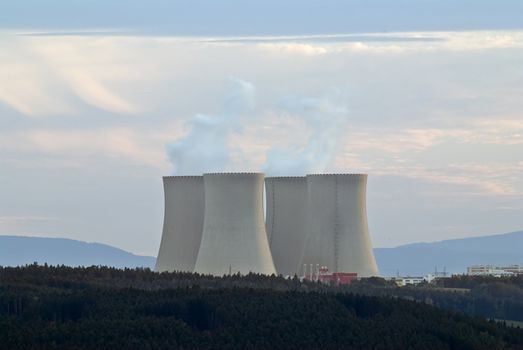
205	148
325	117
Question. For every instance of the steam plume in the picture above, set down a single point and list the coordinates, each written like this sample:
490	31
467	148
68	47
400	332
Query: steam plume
205	147
325	117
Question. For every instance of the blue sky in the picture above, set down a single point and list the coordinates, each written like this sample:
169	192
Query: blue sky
98	100
270	17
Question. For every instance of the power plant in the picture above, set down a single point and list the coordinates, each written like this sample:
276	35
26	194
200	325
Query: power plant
315	226
338	235
286	221
234	238
182	223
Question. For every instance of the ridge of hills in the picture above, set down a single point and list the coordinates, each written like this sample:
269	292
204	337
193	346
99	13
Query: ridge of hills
23	250
416	259
454	255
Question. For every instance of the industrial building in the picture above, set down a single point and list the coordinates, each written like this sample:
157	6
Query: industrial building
323	275
183	223
496	271
286	221
408	280
338	234
234	238
216	225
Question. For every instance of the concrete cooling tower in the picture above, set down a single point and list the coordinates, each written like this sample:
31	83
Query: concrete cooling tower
338	235
286	221
234	238
182	224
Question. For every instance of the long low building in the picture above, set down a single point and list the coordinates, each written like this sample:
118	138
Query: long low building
490	270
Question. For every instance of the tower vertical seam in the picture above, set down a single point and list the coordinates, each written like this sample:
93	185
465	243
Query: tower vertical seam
273	213
336	230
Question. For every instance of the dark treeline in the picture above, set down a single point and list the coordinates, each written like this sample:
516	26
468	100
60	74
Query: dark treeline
488	297
465	281
83	277
105	308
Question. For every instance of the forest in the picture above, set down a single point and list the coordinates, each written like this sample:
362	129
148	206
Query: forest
45	307
488	297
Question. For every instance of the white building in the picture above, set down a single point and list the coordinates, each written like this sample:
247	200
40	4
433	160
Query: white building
234	237
497	271
214	224
286	221
182	223
408	280
338	234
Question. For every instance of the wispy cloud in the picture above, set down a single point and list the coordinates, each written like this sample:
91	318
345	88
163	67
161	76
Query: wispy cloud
470	179
42	76
431	110
389	43
26	85
49	75
96	94
396	141
126	144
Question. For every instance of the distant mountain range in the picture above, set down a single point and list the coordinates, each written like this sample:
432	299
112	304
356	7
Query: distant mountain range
453	255
19	250
415	259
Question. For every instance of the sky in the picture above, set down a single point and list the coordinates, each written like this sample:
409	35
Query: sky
99	100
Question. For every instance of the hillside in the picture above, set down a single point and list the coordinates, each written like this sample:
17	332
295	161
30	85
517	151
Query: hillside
455	255
411	259
17	250
102	308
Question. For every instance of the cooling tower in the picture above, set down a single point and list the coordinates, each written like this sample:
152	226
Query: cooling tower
286	221
338	235
182	224
234	238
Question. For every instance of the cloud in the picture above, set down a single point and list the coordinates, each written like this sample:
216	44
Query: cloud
438	112
42	76
30	99
471	179
87	67
295	48
26	85
482	40
396	141
96	94
414	153
50	75
387	43
79	147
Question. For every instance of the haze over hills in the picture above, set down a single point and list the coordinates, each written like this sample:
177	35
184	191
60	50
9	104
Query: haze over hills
411	259
19	250
454	255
